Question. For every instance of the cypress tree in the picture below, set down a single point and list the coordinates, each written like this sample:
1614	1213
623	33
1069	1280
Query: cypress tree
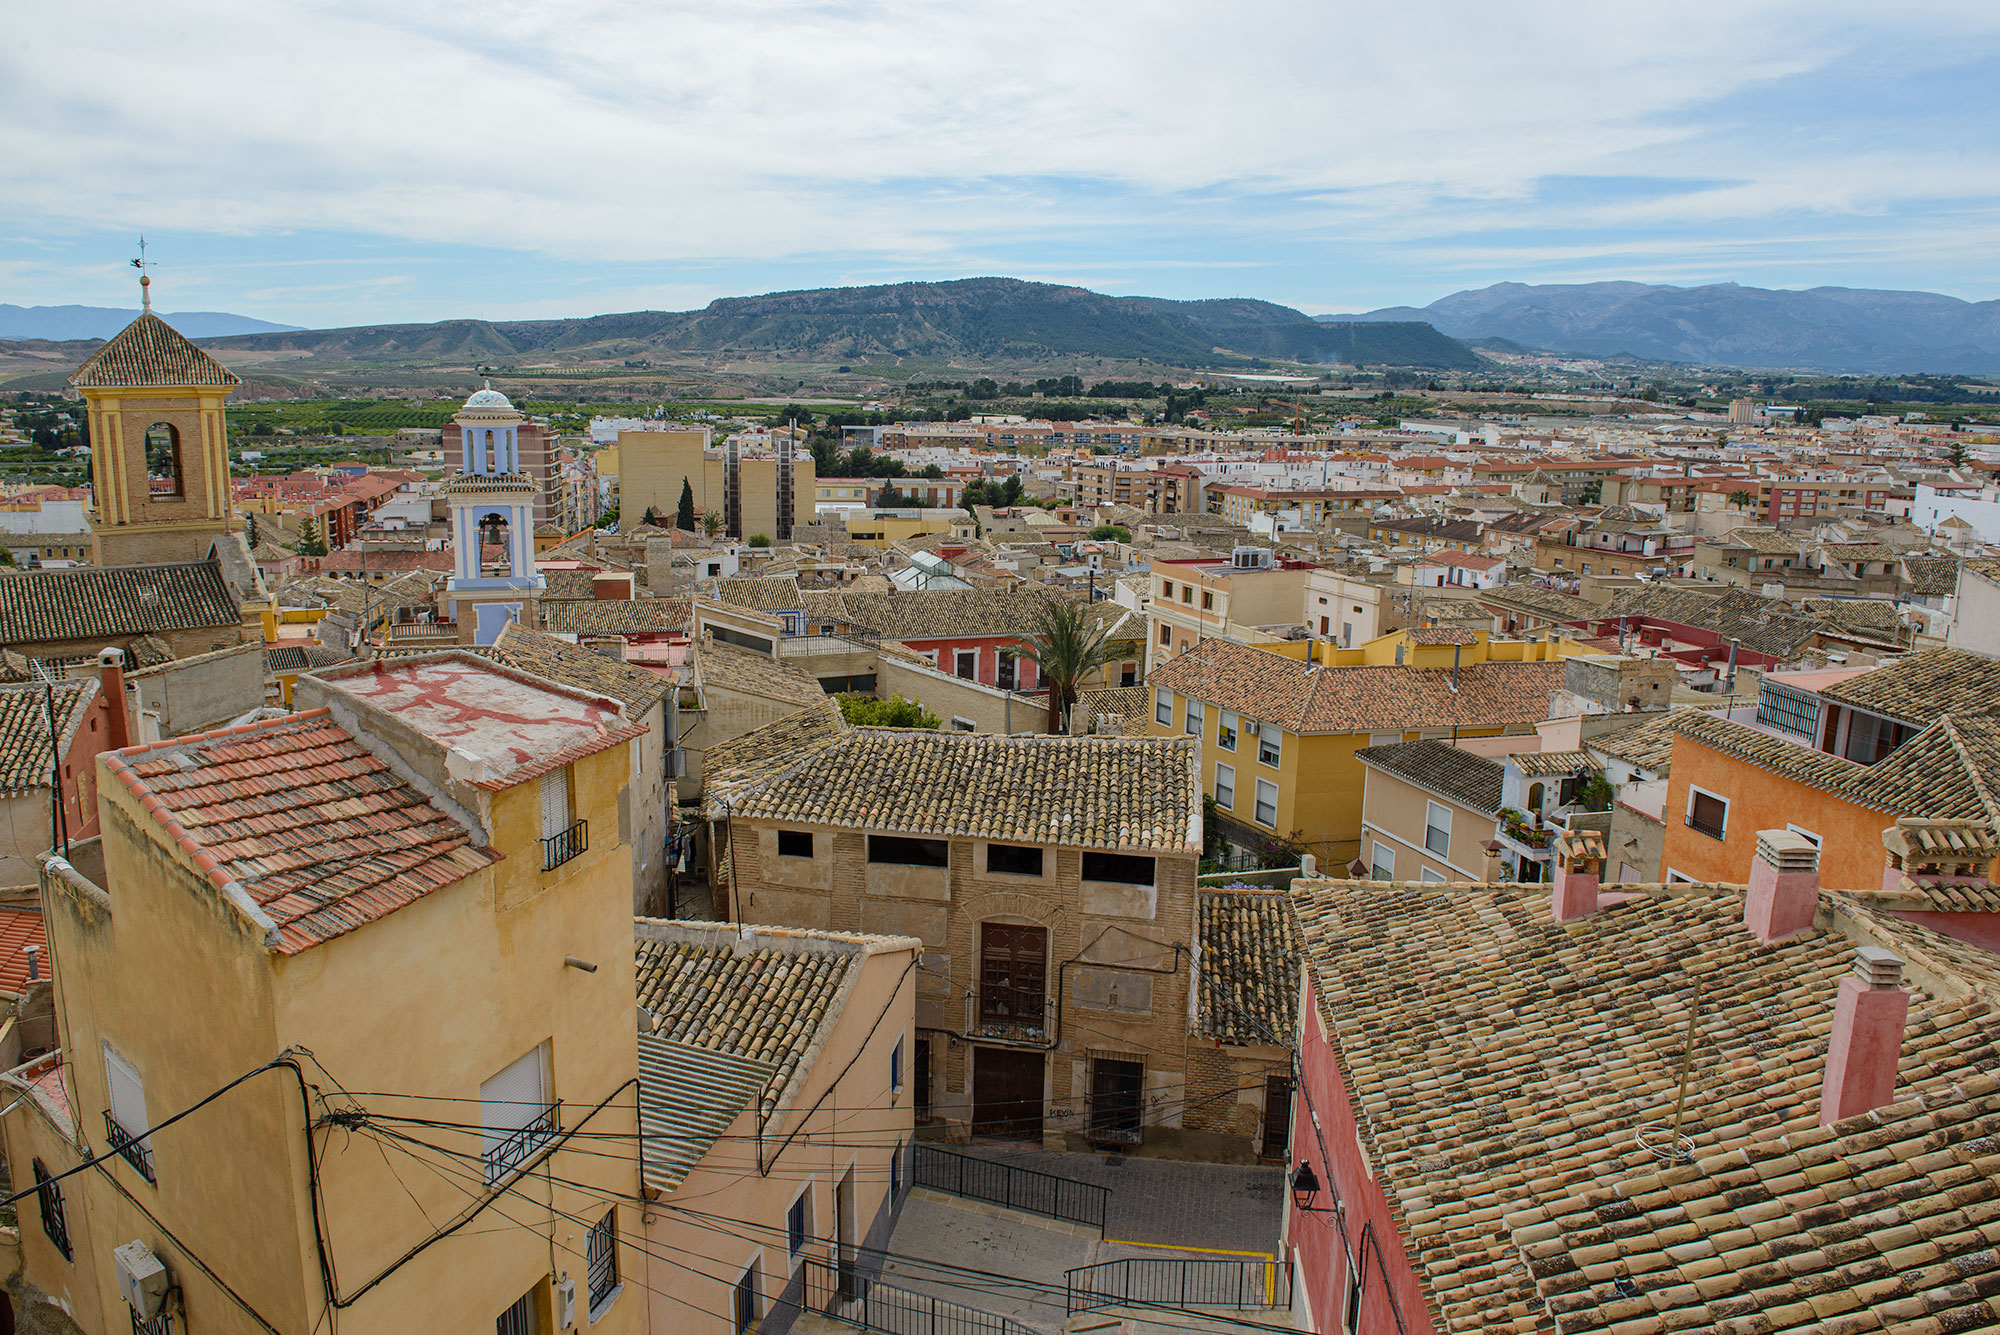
684	512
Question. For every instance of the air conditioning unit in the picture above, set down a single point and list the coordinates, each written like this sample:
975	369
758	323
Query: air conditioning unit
142	1279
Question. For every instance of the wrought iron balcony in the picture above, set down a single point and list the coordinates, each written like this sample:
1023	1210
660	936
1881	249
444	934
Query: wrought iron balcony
504	1156
132	1149
560	848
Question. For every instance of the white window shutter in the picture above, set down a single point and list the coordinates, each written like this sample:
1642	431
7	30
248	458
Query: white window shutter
128	1095
555	803
515	1097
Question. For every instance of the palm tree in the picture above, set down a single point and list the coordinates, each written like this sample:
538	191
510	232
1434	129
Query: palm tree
1742	500
1066	645
711	523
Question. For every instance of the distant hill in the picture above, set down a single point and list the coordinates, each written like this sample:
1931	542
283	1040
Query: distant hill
1823	328
62	323
971	320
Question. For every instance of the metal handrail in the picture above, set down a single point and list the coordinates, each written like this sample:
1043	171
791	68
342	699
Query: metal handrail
560	847
1027	1189
520	1146
846	1295
1179	1283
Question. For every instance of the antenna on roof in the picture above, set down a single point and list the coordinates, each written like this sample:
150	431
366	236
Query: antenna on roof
145	279
1677	1148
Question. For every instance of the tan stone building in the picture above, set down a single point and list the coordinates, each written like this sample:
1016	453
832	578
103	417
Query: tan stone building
159	450
1427	812
653	464
1051	880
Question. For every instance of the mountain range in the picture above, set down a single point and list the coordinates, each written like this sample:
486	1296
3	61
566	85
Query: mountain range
973	320
63	323
1841	329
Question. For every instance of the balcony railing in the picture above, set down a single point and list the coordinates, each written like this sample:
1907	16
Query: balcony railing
1150	1281
1026	1189
504	1156
132	1149
561	847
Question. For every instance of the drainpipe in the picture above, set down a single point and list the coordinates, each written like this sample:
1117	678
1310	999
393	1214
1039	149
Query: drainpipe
1456	650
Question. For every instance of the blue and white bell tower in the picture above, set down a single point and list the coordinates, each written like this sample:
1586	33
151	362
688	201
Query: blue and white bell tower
492	504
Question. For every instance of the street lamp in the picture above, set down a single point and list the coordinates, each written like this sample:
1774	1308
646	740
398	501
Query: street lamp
1305	1186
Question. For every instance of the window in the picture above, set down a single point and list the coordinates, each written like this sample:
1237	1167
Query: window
1195	714
1123	868
517	1113
798	1224
959	723
163	463
795	843
895	1172
1013	860
600	1250
519	1319
1429	875
1163	700
1382	862
1225	730
1266	813
1707	813
1225	786
48	1192
1207	601
1350	1315
744	1308
966	663
1437	828
1013	974
1128	674
1003	672
1187	593
897	851
896	1067
1166	588
1166	635
125	1123
562	838
1269	740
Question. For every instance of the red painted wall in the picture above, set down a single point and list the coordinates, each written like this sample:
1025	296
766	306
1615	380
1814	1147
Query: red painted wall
988	647
1363	1233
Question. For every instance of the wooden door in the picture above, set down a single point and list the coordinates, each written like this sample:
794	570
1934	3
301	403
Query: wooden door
1115	1101
1013	974
1007	1093
1277	1116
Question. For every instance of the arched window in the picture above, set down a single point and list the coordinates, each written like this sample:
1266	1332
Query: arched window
163	462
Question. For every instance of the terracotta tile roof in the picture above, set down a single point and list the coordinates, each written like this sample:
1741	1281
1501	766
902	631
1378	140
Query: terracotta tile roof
629	616
1247	975
587	670
21	927
112	602
24	732
299	825
1536	763
1763	625
920	614
765	594
1763	541
1118	793
1931	576
1922	686
1548	604
1440	635
1951	769
732	667
769	994
1505	1071
149	353
1648	744
1863	614
1450	772
688	1096
1274	689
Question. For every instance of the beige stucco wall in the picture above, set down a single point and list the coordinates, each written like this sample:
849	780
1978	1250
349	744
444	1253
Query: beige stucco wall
857	1125
988	708
653	464
1396	812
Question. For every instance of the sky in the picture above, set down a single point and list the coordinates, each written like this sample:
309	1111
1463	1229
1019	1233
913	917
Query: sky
363	161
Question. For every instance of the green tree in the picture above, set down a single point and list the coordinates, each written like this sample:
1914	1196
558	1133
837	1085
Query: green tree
684	512
1067	644
759	540
1742	500
711	523
1010	491
896	712
311	541
890	499
1111	533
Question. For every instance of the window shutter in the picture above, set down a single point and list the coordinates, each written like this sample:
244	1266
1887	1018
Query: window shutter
515	1097
555	803
128	1095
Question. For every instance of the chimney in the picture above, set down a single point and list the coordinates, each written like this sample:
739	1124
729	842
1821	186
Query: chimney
1868	1018
1784	886
1729	683
1579	861
111	676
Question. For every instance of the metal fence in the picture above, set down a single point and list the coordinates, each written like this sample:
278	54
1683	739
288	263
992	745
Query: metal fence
857	1299
1016	1188
1171	1283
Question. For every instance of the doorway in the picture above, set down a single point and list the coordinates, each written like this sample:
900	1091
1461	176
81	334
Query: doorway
1277	1116
1116	1101
846	1245
1007	1093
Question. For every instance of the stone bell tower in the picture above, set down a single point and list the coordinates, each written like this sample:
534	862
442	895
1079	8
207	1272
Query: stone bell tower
159	453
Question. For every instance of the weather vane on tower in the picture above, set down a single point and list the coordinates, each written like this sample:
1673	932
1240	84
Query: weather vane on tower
145	279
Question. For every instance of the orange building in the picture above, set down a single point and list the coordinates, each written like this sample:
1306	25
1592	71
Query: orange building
1729	780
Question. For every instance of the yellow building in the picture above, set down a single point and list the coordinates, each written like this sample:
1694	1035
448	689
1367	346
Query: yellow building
1279	734
338	993
882	529
652	465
